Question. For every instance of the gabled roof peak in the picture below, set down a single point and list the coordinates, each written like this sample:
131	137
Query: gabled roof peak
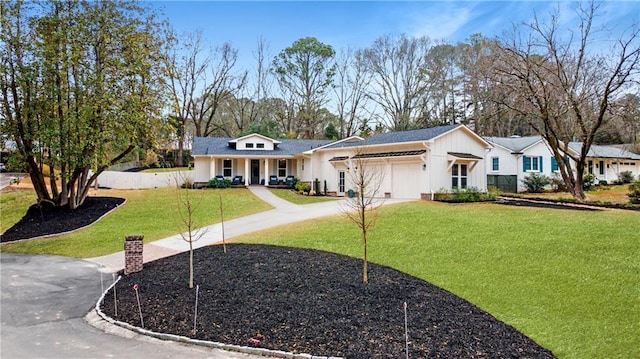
235	140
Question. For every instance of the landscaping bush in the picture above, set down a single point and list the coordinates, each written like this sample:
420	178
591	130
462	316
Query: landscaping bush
214	183
634	192
303	187
587	181
558	184
470	194
443	195
536	182
625	177
602	183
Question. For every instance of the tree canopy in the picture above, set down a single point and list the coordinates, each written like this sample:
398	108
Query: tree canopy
81	88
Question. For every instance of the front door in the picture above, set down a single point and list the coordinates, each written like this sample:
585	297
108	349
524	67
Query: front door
341	183
255	171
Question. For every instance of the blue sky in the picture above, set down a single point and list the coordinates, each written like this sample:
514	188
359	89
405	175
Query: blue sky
359	23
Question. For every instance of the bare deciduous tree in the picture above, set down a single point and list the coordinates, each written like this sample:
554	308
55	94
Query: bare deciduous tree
350	90
186	67
398	84
366	178
186	206
223	84
564	87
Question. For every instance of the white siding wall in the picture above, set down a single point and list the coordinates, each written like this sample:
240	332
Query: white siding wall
201	165
242	144
508	163
538	150
456	141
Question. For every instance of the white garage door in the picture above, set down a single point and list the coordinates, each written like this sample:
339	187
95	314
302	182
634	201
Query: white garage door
405	180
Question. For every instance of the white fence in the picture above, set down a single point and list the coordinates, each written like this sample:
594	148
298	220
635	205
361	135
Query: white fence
137	180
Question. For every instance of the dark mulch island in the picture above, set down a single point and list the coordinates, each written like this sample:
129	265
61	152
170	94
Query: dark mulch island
294	300
46	220
313	302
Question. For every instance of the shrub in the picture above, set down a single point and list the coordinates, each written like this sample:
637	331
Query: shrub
187	184
634	192
443	195
602	183
625	177
294	182
536	182
558	184
303	187
470	194
587	181
214	183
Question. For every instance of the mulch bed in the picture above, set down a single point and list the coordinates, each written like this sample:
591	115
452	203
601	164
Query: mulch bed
295	300
46	220
308	301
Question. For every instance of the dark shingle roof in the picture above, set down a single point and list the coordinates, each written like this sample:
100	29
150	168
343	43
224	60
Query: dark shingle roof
424	134
220	146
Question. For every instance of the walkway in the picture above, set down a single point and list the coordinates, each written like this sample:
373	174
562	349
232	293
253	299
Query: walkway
284	213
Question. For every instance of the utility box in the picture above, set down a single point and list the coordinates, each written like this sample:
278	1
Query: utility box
133	254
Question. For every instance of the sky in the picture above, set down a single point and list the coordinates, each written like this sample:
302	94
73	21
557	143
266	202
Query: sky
357	24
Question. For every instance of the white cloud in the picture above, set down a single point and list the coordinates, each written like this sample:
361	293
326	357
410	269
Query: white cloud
441	21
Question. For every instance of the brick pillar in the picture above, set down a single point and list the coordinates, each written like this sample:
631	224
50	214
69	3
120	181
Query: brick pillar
132	254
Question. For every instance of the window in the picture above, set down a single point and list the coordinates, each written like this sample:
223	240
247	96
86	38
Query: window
226	168
554	164
259	145
249	145
459	176
532	164
282	168
341	181
590	166
601	168
303	164
495	164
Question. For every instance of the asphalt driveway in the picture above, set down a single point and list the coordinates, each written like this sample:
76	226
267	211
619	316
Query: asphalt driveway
43	303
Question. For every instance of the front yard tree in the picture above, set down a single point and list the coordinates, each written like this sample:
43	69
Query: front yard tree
365	178
186	206
79	89
306	71
564	83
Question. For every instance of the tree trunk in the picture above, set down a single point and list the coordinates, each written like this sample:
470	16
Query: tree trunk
365	270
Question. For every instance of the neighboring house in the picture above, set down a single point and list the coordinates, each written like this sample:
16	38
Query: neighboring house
513	158
607	162
413	164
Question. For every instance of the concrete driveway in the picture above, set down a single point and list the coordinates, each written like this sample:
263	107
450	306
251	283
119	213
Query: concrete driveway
43	303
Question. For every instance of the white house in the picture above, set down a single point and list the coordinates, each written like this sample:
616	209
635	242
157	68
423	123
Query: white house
607	162
414	164
513	158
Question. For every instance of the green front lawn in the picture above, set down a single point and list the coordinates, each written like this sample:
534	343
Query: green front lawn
293	197
151	213
570	280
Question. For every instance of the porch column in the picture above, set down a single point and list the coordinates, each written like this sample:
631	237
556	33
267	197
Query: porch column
246	171
212	167
266	172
